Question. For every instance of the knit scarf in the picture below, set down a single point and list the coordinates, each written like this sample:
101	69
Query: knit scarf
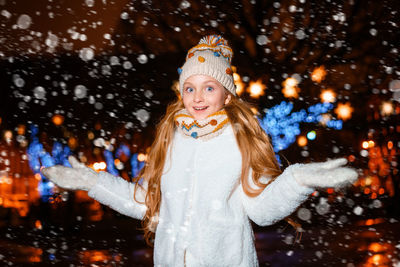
204	129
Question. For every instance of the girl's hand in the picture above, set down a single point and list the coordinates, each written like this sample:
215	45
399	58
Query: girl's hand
327	174
79	177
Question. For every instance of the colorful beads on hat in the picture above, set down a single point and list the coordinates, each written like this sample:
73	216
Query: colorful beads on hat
216	54
194	135
201	59
229	71
190	55
213	122
179	71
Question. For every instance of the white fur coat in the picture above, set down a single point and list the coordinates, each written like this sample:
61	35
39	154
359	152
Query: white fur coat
204	214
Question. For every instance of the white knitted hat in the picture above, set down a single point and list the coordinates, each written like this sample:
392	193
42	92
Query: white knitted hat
212	57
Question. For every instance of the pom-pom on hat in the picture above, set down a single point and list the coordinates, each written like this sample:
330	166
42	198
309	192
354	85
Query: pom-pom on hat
212	56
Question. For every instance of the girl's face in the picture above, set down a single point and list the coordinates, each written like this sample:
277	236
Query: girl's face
203	96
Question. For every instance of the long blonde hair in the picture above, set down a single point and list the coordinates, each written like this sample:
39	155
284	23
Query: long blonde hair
254	144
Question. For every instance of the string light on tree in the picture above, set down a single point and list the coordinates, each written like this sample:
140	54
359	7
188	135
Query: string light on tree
290	89
318	74
58	119
256	89
328	95
239	84
343	111
283	125
387	108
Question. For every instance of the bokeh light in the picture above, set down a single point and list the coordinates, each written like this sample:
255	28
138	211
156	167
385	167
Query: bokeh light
344	111
318	74
328	96
58	119
256	89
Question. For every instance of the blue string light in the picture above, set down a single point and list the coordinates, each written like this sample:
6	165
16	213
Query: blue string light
283	125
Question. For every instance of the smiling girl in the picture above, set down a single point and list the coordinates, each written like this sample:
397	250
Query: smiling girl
210	170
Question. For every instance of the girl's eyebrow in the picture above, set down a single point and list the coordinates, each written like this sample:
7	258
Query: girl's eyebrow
210	81
187	83
206	81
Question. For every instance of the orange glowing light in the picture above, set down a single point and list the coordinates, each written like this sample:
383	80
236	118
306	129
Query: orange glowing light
365	144
98	256
352	158
289	92
390	145
290	82
371	143
318	74
325	118
373	195
117	162
377	247
142	157
58	119
238	82
330	190
290	88
38	224
367	191
254	110
256	89
239	88
72	142
236	77
343	111
8	135
99	166
328	96
37	176
381	191
21	129
387	108
302	141
377	259
369	222
90	135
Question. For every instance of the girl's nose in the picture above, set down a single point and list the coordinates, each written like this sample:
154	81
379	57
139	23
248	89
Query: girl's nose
198	96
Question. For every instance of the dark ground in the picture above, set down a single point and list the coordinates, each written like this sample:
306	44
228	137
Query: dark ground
117	242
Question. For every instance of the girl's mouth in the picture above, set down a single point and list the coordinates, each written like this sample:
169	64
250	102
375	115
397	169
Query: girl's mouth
199	108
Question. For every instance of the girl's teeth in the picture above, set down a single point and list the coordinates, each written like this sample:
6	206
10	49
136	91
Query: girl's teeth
200	108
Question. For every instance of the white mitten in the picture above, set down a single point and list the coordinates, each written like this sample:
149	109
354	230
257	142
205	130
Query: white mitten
79	177
325	174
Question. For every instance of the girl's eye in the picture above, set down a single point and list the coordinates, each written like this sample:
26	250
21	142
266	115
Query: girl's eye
209	88
189	89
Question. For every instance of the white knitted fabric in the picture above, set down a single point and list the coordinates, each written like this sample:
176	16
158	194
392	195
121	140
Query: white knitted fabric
212	57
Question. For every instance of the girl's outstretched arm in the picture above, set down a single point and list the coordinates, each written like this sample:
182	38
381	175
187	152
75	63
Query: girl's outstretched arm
118	194
106	188
281	197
